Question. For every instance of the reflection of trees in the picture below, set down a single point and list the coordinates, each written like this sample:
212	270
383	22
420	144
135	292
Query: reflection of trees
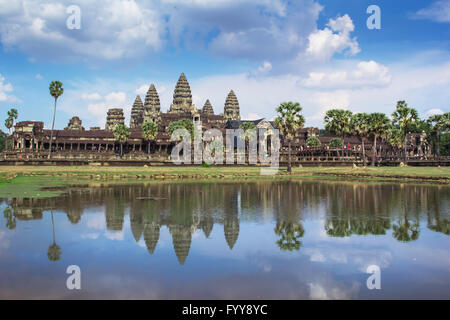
404	230
10	218
289	234
434	220
54	251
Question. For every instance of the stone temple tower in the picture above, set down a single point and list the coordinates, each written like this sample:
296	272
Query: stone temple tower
207	108
114	117
182	97
137	114
152	105
231	110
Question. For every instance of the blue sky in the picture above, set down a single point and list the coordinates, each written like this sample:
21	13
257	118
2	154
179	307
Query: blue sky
319	53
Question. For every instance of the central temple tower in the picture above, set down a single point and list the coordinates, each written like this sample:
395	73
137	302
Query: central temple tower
182	97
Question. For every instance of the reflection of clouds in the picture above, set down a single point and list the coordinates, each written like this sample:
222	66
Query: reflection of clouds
332	291
92	236
4	242
114	235
314	255
96	222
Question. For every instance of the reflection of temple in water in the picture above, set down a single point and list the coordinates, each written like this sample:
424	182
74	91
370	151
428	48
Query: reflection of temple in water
346	209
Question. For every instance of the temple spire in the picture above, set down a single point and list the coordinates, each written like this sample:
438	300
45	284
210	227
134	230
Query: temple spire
152	105
182	96
231	109
137	113
207	108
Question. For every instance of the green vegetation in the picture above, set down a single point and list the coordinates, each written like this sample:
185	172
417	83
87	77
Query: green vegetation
444	146
288	121
181	124
313	142
338	122
336	143
3	137
378	126
360	126
405	119
149	132
121	134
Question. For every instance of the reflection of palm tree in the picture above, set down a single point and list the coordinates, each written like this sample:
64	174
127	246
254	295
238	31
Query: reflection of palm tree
289	234
54	251
10	218
405	231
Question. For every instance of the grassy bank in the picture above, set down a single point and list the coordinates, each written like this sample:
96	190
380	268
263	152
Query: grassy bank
23	181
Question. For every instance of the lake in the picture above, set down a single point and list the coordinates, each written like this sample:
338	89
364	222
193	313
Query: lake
268	239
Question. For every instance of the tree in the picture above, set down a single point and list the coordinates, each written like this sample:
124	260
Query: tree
313	142
360	127
379	124
248	133
288	121
395	138
121	134
181	124
3	137
9	122
404	118
54	251
56	90
440	122
338	122
149	132
336	143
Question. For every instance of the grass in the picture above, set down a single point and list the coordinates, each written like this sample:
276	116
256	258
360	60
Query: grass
24	181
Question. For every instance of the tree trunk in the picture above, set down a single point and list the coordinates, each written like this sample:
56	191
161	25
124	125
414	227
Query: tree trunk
148	147
374	148
51	134
364	152
406	156
437	143
343	145
121	150
289	158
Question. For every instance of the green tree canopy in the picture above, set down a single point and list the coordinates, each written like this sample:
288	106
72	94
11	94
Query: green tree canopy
335	143
313	142
181	124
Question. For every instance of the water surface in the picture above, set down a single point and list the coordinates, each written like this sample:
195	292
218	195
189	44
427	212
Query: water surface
246	240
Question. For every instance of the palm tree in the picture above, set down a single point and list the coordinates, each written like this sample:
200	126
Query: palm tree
149	131
289	120
440	122
54	251
379	124
56	90
360	127
395	138
9	122
338	122
121	134
404	118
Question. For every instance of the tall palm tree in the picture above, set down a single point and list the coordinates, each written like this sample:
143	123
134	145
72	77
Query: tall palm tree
9	122
338	122
404	118
121	134
289	234
440	122
360	127
54	251
56	90
379	124
149	131
288	121
395	138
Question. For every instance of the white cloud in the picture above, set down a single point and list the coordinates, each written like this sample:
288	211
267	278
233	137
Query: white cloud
109	30
5	89
91	96
438	11
433	112
39	76
323	44
265	67
363	74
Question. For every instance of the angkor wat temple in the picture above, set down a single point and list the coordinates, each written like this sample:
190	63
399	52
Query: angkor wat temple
31	141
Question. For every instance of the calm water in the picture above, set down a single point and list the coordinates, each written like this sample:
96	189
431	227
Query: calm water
274	240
